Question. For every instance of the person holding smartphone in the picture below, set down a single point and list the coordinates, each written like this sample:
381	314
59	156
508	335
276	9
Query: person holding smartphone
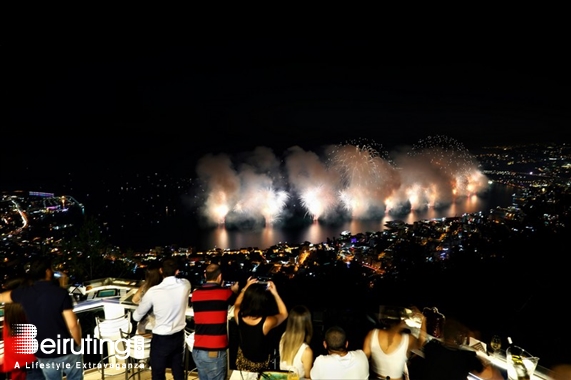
252	314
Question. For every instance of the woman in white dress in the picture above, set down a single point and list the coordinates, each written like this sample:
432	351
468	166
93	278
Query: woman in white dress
295	353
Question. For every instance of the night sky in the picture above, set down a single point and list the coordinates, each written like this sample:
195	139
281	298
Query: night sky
153	105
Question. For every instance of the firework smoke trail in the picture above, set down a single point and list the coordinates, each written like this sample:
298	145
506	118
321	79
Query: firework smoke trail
260	194
261	160
422	185
351	178
367	178
454	160
309	177
223	185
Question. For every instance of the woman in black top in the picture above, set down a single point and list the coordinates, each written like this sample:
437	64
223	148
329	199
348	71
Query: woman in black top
251	313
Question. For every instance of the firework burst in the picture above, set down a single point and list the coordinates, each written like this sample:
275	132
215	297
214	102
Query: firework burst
454	160
356	178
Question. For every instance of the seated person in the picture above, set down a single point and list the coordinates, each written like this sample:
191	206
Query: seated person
339	363
449	360
388	348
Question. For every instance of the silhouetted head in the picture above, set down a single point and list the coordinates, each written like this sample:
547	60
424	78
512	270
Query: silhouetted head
212	272
170	267
255	301
39	267
335	339
390	316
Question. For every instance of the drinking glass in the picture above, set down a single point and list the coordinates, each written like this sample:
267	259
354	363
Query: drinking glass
521	364
292	375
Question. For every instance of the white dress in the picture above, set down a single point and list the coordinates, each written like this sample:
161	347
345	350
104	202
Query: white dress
297	365
392	364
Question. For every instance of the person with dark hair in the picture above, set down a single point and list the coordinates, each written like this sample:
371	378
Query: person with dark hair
169	301
339	363
388	348
153	277
49	308
210	303
252	315
295	351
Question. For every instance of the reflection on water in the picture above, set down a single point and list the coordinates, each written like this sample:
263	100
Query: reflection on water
315	232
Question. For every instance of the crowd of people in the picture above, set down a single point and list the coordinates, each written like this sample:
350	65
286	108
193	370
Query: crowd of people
391	350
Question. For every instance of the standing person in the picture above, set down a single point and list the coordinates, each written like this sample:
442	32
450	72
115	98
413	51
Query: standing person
388	348
339	363
295	353
169	301
255	323
49	308
153	277
210	303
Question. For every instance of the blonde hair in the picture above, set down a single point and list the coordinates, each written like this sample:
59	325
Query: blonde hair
299	330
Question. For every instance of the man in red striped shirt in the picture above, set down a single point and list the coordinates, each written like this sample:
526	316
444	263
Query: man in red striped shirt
210	304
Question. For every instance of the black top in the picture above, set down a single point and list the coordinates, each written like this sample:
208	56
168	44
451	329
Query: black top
44	303
448	363
255	345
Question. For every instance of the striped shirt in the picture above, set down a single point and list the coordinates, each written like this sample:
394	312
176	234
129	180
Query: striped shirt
210	304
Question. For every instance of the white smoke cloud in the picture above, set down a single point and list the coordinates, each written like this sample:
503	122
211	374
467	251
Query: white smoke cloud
349	180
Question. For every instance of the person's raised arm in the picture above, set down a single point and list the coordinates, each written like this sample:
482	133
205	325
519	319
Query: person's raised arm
275	320
415	343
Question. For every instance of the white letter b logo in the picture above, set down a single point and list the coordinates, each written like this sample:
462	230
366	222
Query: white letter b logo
26	342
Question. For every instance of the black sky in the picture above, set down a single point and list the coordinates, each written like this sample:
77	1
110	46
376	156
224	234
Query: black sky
135	104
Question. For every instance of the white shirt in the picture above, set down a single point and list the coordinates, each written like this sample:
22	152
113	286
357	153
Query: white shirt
354	365
169	301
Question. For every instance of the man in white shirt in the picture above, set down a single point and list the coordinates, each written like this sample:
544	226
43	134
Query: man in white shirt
339	363
168	301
